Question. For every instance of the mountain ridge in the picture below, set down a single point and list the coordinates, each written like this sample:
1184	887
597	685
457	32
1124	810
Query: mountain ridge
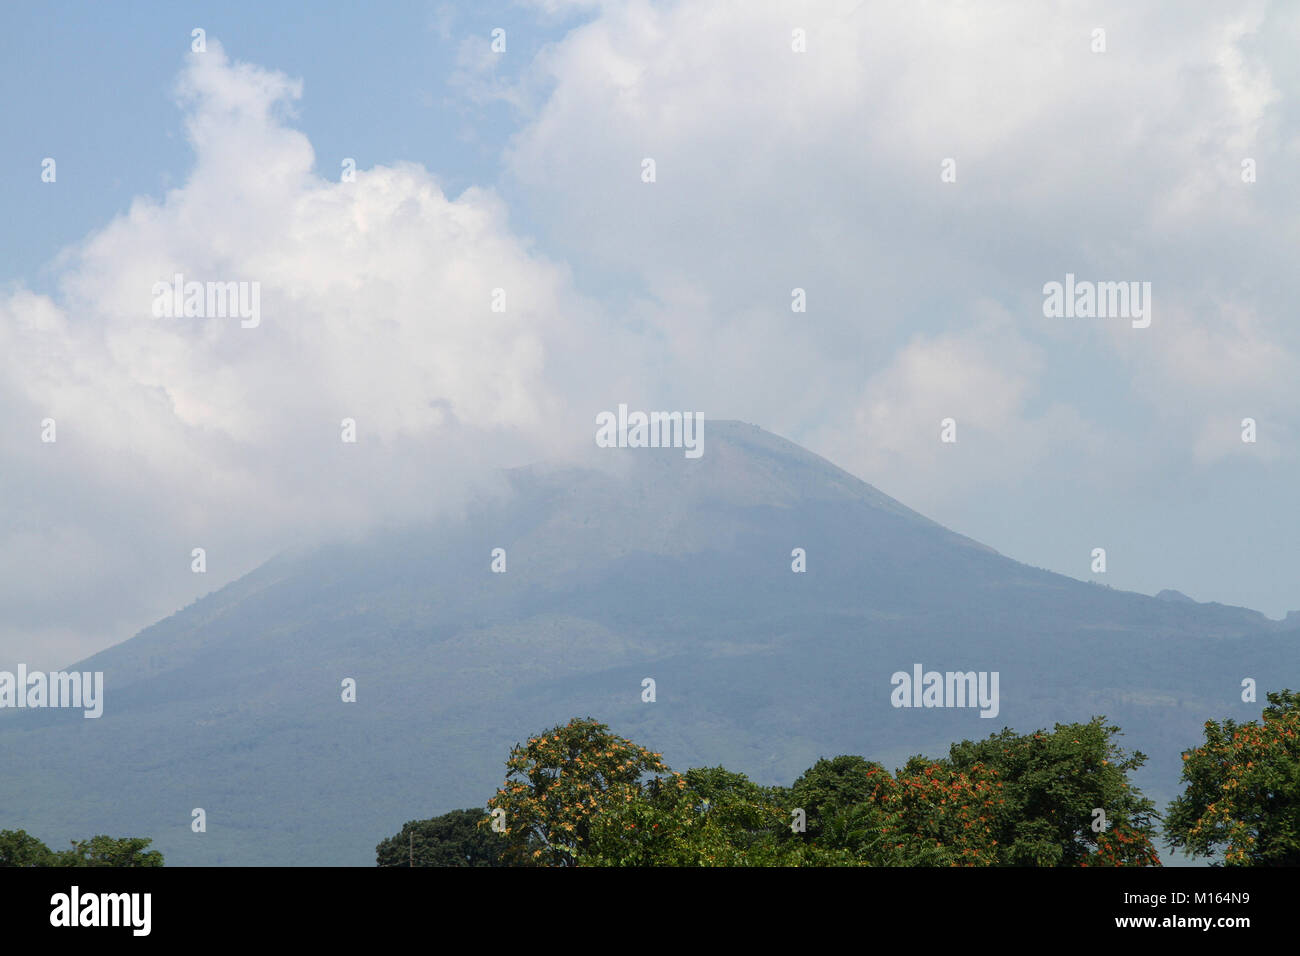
646	565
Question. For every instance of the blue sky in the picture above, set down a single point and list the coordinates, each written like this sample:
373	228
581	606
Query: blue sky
92	86
776	169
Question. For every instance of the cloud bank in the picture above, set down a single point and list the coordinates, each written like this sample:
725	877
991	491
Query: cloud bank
376	302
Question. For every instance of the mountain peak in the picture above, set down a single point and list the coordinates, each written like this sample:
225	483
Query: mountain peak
770	594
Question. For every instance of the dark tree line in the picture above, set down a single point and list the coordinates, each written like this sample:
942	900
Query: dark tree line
580	795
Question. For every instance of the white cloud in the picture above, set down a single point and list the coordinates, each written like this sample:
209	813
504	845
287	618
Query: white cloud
778	169
176	433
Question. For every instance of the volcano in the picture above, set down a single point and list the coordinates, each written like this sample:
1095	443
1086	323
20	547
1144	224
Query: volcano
769	595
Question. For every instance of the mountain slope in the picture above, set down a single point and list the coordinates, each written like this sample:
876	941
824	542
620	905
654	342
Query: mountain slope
651	565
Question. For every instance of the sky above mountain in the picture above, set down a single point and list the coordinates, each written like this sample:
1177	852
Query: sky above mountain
521	169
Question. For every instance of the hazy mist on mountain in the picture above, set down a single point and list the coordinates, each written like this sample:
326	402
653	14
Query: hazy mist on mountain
652	565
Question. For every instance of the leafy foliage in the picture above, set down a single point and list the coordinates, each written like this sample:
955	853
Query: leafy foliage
1052	784
559	782
581	795
933	814
1008	800
109	851
1242	791
831	787
19	848
452	839
707	816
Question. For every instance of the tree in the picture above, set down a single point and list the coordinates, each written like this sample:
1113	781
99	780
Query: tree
1242	791
709	816
108	851
578	794
1053	784
929	814
453	839
831	787
932	814
655	828
560	781
20	848
1020	800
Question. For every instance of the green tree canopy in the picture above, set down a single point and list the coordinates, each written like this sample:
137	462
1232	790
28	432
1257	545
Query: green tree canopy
1011	799
579	794
452	839
110	851
708	816
558	782
1242	793
831	787
1053	783
20	848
